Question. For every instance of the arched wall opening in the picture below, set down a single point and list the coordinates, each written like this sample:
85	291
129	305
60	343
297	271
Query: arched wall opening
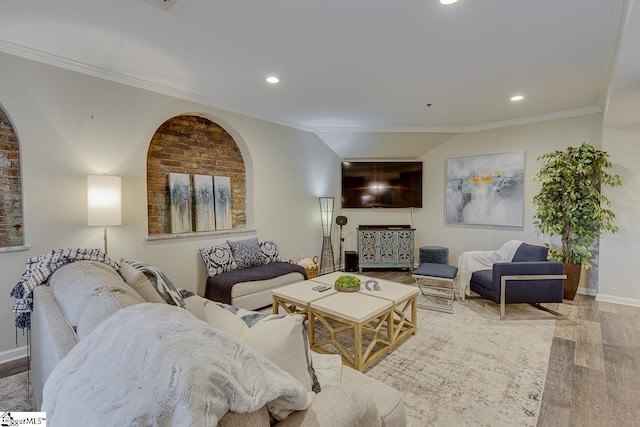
11	217
190	148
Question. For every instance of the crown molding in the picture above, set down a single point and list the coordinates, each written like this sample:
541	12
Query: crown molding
390	129
113	76
536	119
110	75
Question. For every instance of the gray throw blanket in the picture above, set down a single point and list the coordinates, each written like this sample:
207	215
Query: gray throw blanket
219	286
39	268
157	365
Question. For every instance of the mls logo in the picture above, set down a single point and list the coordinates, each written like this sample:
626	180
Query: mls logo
6	419
25	419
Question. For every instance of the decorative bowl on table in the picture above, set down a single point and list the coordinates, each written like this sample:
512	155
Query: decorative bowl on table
347	283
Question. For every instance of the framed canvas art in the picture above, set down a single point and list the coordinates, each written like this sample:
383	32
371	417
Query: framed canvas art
180	194
486	190
222	197
203	196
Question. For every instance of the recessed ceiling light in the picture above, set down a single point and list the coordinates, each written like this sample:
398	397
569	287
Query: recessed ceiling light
517	98
448	1
273	80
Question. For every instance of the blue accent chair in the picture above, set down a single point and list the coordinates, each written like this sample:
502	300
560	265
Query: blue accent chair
529	278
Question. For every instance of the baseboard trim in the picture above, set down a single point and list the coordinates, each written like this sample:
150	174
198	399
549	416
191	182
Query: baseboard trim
618	300
14	354
587	291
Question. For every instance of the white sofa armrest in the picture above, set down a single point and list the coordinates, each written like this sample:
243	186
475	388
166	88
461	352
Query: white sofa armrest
51	337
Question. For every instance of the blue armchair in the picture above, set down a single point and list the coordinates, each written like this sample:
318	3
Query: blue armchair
529	278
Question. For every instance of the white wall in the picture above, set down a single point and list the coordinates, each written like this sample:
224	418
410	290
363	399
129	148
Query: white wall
619	253
71	125
431	229
535	140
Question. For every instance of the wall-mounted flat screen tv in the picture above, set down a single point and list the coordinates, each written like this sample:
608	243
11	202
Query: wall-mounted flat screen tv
381	184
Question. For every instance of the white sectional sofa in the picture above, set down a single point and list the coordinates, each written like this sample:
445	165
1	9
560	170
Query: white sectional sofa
84	298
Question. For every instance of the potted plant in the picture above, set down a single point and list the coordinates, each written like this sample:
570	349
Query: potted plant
571	205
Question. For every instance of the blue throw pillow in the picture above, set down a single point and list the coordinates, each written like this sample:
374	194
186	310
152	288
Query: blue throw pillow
527	252
246	253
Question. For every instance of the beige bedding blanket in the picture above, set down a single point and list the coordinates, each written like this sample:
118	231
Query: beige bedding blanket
471	261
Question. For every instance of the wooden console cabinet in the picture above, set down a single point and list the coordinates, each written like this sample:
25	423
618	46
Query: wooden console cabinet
385	247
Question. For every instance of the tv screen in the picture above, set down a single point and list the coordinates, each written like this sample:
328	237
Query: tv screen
382	184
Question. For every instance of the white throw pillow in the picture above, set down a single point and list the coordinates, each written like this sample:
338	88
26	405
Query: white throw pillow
283	341
224	320
280	338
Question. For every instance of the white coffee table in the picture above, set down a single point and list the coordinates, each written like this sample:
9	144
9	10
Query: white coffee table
405	306
295	298
356	313
387	315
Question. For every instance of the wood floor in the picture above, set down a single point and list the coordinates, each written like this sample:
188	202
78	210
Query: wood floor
14	367
593	378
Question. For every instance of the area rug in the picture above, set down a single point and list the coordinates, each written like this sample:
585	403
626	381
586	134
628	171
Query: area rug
14	395
469	368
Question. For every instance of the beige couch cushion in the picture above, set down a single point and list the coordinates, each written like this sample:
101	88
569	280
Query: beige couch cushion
77	282
336	406
100	306
388	400
259	418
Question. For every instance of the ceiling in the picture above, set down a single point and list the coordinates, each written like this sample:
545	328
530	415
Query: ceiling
346	68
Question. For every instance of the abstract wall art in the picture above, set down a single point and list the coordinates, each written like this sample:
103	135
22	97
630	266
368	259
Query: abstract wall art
486	190
203	195
222	196
180	194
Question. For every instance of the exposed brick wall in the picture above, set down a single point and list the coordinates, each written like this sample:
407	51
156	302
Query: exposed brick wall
10	185
196	146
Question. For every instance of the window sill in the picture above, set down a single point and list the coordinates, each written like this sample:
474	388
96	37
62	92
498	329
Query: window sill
14	248
200	234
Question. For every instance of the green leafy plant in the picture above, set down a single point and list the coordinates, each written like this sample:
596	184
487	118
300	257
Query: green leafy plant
570	203
347	282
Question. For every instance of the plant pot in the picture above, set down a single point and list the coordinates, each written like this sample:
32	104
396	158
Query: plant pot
572	281
342	289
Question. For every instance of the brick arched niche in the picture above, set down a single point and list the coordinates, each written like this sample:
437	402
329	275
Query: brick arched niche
192	145
11	233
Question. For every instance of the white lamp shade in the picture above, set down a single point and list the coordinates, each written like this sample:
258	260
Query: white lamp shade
326	212
104	200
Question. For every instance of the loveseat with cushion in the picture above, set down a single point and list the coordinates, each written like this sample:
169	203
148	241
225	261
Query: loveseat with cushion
103	354
243	273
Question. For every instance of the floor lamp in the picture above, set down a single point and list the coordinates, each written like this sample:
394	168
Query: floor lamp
104	202
327	263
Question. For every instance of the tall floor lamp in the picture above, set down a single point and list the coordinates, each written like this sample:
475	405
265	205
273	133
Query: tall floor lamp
104	202
327	263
